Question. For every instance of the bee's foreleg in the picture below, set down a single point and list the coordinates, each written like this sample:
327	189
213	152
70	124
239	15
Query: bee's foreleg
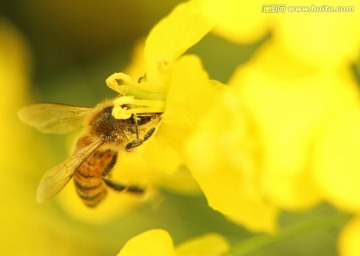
133	144
138	142
148	134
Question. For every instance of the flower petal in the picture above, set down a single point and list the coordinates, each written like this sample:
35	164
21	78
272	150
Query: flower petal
320	38
349	239
337	161
237	21
206	245
222	155
287	102
159	154
154	242
190	95
171	37
170	170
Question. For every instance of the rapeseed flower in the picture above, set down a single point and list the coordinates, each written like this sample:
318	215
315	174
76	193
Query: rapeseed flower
285	134
158	242
168	80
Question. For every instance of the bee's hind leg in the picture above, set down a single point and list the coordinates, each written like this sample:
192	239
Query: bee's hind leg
117	186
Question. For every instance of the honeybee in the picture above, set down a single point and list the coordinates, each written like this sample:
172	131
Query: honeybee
95	152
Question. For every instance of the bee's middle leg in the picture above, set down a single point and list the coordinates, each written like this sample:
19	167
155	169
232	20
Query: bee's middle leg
117	186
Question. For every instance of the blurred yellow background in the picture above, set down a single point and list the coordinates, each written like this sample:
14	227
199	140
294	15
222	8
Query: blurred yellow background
62	51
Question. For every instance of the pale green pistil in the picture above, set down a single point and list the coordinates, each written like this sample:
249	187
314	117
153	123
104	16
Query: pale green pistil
134	99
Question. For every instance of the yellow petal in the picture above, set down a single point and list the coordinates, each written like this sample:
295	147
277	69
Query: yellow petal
206	245
223	156
171	37
349	239
171	172
286	101
181	181
155	242
136	67
237	21
190	95
161	156
337	161
322	39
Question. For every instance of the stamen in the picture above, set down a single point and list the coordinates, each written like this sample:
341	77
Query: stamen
128	87
112	82
125	106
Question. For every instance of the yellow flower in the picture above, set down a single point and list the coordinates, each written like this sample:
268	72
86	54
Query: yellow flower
320	47
237	21
223	157
158	242
349	238
291	114
322	40
177	87
285	134
305	35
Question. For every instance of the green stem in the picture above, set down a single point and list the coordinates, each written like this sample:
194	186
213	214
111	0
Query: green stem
255	243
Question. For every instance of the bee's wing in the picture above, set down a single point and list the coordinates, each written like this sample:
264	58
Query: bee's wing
56	178
54	118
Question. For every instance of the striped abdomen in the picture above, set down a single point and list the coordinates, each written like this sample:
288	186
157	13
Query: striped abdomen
88	176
